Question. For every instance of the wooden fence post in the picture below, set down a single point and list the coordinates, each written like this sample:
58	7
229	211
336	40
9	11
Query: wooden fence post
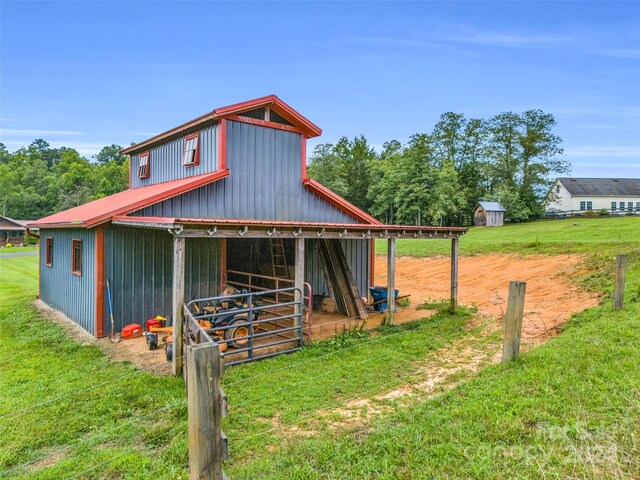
178	301
299	285
391	281
454	275
207	450
513	320
618	288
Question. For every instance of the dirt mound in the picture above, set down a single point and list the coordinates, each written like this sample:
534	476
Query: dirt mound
484	281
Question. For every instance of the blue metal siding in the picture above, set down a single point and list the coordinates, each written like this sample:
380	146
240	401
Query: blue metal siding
265	167
165	162
357	255
139	266
71	294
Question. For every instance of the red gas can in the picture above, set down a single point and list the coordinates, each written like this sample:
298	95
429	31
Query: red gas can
132	330
153	322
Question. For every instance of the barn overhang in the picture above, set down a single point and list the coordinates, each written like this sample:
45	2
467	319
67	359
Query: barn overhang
249	228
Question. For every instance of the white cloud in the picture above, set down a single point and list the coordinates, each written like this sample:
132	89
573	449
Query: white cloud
611	151
618	52
86	149
16	132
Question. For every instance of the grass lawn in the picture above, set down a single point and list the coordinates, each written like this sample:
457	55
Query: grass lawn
543	236
4	250
568	409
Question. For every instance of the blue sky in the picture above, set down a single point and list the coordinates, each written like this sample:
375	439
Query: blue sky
88	74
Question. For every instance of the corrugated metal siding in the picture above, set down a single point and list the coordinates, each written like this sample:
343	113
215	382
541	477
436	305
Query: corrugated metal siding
166	159
264	183
72	295
139	265
357	255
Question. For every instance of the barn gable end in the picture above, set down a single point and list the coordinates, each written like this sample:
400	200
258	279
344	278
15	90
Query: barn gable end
264	183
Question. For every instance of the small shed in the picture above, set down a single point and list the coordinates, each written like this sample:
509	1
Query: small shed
488	214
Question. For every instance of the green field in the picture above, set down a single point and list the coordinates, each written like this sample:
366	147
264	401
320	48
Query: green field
544	236
5	250
568	409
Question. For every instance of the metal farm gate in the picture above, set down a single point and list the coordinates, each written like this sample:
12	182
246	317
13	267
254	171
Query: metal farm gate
248	326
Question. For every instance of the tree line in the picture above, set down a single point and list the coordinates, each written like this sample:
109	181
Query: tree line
38	180
434	178
438	177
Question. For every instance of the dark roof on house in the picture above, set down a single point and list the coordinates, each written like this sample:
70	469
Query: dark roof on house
491	206
605	187
17	225
299	121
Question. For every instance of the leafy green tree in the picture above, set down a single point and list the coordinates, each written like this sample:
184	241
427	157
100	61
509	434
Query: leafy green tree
324	167
445	194
111	153
355	158
382	193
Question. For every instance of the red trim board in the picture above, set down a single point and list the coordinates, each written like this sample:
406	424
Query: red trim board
99	266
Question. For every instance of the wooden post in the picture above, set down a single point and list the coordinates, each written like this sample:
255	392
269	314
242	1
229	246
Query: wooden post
454	275
618	288
204	400
513	320
299	283
391	281
178	301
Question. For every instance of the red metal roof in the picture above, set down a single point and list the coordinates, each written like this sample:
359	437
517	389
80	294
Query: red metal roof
297	119
102	210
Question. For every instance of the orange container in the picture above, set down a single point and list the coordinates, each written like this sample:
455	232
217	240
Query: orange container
132	330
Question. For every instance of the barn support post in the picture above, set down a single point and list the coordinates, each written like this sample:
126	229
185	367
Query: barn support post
299	285
618	288
454	275
513	320
207	448
178	300
391	281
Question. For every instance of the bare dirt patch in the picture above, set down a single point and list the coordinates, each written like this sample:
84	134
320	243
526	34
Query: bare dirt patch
484	281
134	351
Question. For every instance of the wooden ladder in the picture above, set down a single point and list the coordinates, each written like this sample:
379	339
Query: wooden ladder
278	258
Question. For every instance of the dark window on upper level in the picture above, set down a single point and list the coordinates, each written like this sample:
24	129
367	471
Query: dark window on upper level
266	114
76	256
143	165
278	119
48	252
191	154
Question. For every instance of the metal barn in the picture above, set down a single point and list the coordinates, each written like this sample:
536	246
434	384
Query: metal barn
488	214
221	200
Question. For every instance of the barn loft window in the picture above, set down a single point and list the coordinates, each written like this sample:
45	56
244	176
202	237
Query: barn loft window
143	165
48	255
191	150
76	256
266	114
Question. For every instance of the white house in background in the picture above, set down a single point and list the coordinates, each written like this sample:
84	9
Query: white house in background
619	195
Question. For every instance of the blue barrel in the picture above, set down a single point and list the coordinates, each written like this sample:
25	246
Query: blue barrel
380	293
